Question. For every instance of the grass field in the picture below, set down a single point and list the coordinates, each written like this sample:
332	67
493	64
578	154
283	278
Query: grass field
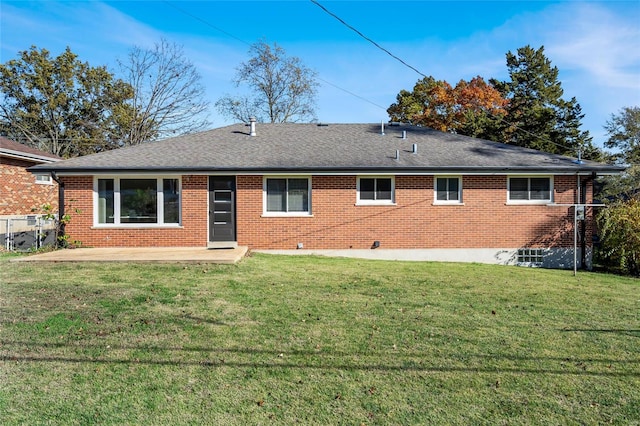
310	340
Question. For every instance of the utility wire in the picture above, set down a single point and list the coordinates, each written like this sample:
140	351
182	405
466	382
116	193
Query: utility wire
352	94
497	117
249	44
197	18
366	38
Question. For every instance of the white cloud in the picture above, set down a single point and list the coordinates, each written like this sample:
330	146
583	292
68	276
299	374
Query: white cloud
96	32
595	47
595	41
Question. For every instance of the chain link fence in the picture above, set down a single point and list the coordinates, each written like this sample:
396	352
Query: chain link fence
27	233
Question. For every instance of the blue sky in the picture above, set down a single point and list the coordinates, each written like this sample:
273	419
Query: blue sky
595	45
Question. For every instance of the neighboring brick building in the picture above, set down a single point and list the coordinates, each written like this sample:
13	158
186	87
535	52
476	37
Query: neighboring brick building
22	193
337	187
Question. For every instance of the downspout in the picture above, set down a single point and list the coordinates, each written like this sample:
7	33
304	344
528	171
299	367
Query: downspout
60	206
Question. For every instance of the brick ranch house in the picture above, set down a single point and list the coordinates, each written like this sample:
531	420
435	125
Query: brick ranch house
22	193
338	187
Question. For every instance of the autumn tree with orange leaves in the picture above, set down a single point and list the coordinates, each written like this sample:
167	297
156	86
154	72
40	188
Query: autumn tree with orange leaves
471	108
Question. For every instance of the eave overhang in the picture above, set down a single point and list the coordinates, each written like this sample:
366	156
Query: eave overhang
600	170
25	156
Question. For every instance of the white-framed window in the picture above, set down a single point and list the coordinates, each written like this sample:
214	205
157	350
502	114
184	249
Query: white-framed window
287	195
44	179
530	190
447	190
137	201
375	190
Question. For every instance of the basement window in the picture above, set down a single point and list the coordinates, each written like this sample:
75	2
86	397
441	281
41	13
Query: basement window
530	256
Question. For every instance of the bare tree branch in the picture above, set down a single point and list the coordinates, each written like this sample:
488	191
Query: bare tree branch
169	98
284	90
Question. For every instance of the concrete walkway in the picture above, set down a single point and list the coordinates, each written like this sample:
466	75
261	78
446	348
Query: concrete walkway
140	255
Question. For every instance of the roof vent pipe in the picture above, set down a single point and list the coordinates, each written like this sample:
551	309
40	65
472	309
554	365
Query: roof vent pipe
397	154
415	148
382	128
404	134
252	126
579	160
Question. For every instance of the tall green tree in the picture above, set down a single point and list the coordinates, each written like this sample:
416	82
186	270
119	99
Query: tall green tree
59	104
538	116
470	108
282	89
623	130
624	135
620	227
620	221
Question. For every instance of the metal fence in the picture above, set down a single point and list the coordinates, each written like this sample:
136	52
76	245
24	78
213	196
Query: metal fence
24	233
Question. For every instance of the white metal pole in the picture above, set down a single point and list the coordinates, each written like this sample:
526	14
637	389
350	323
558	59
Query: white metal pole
9	245
575	227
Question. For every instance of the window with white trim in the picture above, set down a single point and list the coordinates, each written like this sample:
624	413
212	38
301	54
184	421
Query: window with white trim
530	189
287	195
44	179
134	201
376	190
448	190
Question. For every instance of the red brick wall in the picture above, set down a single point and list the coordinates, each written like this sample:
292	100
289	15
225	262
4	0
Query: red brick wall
484	221
192	233
19	192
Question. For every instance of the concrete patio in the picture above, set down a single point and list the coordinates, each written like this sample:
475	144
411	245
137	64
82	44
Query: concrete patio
141	255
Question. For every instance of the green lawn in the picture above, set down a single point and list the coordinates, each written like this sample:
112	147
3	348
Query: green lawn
311	340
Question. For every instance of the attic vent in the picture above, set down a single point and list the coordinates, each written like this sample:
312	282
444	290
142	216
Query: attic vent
323	125
394	124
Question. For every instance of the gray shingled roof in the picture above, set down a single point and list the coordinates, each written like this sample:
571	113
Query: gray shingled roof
355	148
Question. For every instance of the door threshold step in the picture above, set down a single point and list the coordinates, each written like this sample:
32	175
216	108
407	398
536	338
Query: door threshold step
222	244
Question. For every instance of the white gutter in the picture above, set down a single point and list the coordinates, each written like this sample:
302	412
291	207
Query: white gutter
27	156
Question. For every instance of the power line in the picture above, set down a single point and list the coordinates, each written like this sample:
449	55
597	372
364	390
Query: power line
249	44
352	94
424	75
197	18
366	38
